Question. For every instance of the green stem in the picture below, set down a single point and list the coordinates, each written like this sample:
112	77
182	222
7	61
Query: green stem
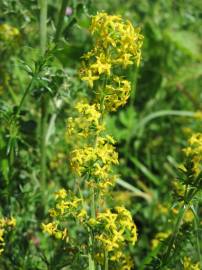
60	20
43	25
106	261
90	258
25	95
196	225
143	122
44	112
13	95
44	100
93	215
11	152
175	232
93	211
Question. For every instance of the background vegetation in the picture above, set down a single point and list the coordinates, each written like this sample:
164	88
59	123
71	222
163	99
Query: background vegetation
37	94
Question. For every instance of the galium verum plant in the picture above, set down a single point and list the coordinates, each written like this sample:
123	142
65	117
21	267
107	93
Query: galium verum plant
5	225
186	190
107	233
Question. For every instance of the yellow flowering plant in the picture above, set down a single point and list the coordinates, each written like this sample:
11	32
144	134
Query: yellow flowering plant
107	232
187	188
5	225
117	47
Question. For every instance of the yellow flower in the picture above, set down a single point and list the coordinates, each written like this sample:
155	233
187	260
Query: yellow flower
189	265
11	222
85	124
53	212
198	115
8	32
97	160
82	214
50	228
101	65
113	231
188	216
5	222
117	46
158	238
194	150
116	93
90	78
61	193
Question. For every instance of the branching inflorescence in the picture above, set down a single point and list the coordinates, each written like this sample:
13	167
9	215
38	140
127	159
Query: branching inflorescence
108	232
5	224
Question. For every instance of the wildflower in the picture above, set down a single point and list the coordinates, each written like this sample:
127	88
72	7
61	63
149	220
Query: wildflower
96	161
85	124
117	229
90	78
61	194
68	11
194	151
189	265
116	93
117	45
50	228
5	223
93	154
8	32
158	238
101	65
198	115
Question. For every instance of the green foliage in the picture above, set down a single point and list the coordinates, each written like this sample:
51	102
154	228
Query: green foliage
164	110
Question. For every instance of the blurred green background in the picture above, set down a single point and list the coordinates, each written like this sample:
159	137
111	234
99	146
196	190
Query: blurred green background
165	107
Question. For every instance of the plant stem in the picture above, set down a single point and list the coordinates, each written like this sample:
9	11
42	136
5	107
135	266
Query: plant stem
106	261
44	103
25	95
175	232
44	99
93	215
60	20
93	211
43	26
198	247
90	258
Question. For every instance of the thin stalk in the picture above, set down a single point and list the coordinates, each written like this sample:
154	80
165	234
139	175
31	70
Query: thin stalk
198	241
43	26
13	95
11	152
44	100
60	20
24	96
44	112
93	215
175	232
90	258
93	207
106	261
147	119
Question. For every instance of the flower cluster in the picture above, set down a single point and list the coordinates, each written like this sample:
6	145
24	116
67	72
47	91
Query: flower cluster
194	150
96	162
117	46
189	265
8	33
92	151
67	206
85	124
159	237
5	223
113	231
